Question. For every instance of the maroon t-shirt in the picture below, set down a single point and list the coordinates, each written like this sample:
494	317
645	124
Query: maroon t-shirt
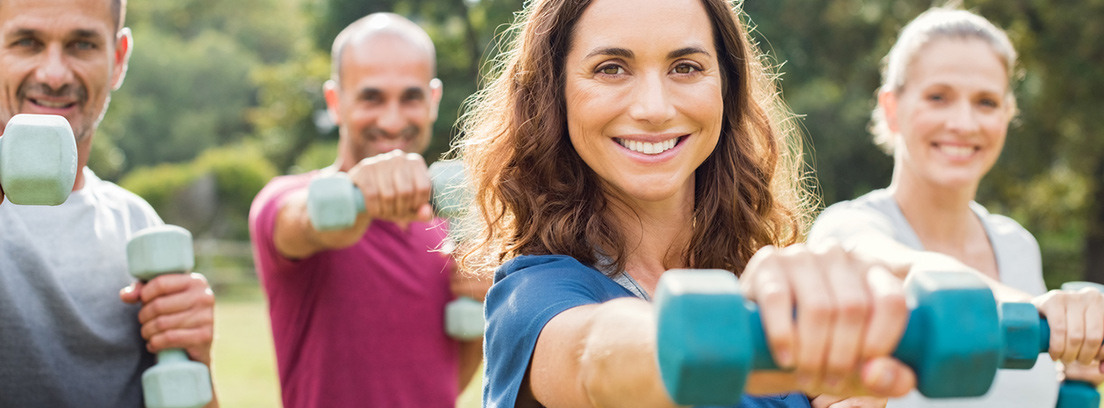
361	326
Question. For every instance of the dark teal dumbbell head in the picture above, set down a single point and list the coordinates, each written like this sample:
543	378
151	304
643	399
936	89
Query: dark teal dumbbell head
704	342
1024	335
175	381
1077	394
709	338
38	159
953	340
333	202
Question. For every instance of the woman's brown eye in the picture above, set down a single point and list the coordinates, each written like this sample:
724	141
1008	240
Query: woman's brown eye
684	69
610	70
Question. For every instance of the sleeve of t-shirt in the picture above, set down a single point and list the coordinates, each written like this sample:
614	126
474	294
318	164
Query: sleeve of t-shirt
846	220
528	292
262	223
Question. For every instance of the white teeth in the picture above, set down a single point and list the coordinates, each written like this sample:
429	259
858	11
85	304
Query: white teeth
957	151
49	104
648	148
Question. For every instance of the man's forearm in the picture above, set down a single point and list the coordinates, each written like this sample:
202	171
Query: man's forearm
471	355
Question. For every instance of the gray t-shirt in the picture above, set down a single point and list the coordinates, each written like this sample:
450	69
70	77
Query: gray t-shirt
1019	265
66	340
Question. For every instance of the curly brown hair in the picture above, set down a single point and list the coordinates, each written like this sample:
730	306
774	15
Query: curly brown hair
535	195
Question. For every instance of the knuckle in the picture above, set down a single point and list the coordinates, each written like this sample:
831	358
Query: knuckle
1057	324
818	309
837	368
772	295
892	302
158	341
854	306
154	309
147	332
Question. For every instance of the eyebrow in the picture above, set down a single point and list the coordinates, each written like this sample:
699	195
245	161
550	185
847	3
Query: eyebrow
611	51
78	33
625	53
372	91
682	52
87	34
24	32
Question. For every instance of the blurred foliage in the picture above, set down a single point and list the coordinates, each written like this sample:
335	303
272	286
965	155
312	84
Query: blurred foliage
209	195
249	73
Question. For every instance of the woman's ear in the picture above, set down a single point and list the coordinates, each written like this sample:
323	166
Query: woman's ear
888	101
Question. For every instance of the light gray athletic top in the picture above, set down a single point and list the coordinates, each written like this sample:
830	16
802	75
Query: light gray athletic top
1019	264
66	340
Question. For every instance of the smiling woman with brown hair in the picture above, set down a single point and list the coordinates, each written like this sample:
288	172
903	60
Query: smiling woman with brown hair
623	138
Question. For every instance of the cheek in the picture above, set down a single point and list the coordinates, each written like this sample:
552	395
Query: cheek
997	126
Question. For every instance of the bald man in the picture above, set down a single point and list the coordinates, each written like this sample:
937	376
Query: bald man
358	313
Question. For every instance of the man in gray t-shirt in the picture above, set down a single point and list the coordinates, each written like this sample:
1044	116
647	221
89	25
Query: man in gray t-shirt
69	337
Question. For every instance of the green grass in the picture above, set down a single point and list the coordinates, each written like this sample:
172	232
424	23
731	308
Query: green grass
243	356
245	361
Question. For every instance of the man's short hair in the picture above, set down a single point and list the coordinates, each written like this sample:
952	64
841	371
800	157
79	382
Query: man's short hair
380	23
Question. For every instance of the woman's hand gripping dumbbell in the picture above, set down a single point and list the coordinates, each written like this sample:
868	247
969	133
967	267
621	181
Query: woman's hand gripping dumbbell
710	337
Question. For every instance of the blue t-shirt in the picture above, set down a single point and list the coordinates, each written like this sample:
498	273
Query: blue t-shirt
528	292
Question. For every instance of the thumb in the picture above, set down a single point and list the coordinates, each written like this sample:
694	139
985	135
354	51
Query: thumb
885	376
425	213
132	293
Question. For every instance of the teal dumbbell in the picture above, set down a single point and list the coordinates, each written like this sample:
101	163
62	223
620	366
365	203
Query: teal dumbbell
450	200
38	160
333	202
175	381
709	337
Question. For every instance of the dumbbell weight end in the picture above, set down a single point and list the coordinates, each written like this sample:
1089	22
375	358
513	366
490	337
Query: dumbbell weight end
333	202
176	382
38	160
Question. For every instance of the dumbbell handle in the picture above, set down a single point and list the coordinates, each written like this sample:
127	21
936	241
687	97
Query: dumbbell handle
908	349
